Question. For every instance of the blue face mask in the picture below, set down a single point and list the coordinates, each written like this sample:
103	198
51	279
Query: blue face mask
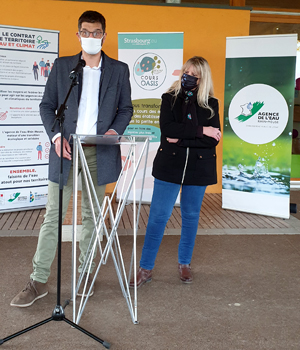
188	82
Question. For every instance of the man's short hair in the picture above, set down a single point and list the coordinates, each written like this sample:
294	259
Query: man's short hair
91	17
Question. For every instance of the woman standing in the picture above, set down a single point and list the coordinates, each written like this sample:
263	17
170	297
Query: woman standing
186	159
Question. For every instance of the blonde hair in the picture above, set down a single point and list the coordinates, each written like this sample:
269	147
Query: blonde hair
205	88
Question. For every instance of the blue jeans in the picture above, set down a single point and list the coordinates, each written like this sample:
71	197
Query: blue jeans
163	200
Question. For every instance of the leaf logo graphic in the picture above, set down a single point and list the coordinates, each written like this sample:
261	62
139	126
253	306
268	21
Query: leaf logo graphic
16	195
249	110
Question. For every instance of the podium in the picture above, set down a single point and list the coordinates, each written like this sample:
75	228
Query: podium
105	210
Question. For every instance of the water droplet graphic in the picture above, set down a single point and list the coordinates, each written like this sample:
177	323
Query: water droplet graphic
255	179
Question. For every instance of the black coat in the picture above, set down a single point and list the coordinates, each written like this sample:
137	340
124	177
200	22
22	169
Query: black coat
196	154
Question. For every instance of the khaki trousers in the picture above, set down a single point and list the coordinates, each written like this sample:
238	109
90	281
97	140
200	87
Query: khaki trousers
48	236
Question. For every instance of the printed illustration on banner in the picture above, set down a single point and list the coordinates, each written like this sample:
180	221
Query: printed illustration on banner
258	114
149	71
42	44
3	115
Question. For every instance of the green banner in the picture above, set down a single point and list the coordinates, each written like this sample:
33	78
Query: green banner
257	138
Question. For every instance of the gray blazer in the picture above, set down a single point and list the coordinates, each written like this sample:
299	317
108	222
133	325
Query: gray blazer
115	112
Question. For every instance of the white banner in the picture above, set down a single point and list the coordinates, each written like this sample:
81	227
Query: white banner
258	123
154	60
26	59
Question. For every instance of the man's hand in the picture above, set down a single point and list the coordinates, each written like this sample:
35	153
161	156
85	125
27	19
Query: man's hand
111	132
66	148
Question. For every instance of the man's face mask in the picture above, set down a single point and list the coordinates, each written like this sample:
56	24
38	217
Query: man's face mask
91	45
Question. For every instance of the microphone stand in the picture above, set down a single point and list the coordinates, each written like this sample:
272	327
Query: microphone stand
58	313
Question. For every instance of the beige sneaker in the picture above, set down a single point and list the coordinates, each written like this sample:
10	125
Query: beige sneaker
88	285
33	291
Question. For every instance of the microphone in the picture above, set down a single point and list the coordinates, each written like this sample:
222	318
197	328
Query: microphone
74	73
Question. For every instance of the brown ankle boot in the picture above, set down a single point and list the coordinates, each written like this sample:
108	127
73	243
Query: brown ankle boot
142	276
185	273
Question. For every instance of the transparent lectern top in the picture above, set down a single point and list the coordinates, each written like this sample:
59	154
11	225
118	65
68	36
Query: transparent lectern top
109	139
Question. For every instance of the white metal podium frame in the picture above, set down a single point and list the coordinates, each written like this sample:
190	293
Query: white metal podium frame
104	211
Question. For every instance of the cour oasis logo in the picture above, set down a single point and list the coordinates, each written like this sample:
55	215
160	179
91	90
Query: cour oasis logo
149	71
258	113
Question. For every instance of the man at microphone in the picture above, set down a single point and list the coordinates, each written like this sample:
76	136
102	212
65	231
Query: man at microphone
100	104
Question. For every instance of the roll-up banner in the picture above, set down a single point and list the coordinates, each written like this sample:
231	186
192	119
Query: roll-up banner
258	123
26	59
154	60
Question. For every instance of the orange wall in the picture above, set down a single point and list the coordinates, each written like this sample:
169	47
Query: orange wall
205	30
